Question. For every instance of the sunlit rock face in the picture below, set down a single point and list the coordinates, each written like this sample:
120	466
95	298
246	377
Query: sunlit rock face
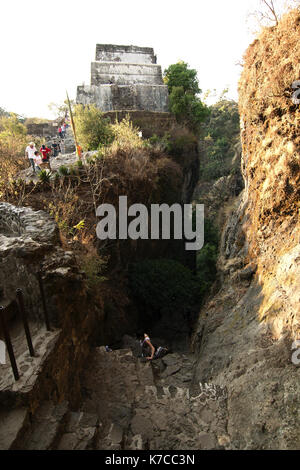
247	329
125	78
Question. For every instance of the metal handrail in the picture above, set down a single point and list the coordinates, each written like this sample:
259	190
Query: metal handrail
8	343
22	311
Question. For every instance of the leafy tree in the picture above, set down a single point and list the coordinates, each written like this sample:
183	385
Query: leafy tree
11	126
13	140
183	95
179	75
220	135
92	129
13	136
61	110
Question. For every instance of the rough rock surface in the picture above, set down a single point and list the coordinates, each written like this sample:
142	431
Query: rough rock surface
26	236
152	406
245	332
30	243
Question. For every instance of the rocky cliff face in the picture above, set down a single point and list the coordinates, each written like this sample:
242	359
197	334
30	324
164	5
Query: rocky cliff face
245	332
240	389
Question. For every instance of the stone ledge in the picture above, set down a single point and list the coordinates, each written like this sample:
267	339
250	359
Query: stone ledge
123	54
29	367
23	223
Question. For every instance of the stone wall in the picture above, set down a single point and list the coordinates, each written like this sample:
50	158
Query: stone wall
42	129
128	54
125	74
125	97
125	78
148	122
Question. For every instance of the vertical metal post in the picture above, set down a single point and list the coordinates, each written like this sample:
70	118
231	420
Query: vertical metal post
25	322
8	344
39	276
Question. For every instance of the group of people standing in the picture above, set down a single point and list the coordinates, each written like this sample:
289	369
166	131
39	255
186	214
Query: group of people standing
41	158
62	130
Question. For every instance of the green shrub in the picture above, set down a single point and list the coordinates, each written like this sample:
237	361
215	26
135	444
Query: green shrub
45	176
214	170
220	136
93	130
79	163
161	143
94	266
182	144
63	170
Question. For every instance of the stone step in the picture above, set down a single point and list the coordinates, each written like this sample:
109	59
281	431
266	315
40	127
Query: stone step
136	442
47	426
113	440
80	433
144	372
12	426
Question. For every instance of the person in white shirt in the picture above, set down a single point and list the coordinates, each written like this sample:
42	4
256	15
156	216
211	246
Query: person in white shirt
29	153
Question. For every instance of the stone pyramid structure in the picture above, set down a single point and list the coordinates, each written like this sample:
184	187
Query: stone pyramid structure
125	78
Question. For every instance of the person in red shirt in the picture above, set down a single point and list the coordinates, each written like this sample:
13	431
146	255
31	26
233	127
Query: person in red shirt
45	151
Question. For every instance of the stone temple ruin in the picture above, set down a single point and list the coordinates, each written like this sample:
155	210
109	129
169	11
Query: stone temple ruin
125	78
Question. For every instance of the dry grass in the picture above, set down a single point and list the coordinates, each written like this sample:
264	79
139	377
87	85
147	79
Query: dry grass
11	160
271	122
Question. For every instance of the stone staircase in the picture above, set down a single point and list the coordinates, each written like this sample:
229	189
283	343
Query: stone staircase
51	427
144	405
128	404
46	427
80	432
67	144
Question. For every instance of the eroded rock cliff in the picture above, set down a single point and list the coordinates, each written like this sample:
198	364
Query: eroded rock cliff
245	332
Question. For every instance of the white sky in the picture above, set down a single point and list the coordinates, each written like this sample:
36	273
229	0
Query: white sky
47	45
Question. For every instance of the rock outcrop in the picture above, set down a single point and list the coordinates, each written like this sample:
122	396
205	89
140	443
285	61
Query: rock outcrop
30	244
245	332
